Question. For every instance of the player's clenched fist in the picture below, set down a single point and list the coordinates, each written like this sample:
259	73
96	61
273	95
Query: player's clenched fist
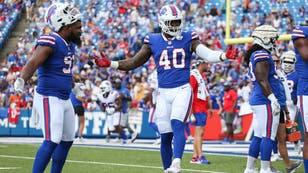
274	104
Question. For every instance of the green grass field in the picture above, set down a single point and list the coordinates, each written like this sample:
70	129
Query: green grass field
105	160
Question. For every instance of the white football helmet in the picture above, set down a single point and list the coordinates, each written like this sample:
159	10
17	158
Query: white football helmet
105	87
288	61
266	36
61	14
167	14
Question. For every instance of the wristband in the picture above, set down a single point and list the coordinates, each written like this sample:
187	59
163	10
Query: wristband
114	64
222	57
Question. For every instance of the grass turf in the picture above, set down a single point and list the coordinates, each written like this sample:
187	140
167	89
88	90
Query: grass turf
108	160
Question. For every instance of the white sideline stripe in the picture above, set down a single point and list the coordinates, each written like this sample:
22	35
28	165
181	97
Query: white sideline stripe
5	168
105	163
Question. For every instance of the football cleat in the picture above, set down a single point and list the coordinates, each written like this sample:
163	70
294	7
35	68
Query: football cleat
275	157
251	170
175	166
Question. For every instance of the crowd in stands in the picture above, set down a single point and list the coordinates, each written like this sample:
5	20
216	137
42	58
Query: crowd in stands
118	27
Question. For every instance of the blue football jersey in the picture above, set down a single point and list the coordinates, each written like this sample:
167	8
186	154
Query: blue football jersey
292	80
257	97
301	66
172	58
55	74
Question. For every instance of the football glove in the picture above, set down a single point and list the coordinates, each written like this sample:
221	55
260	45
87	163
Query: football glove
110	110
19	85
231	53
274	104
103	61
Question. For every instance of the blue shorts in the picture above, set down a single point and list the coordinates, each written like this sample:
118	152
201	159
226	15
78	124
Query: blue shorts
200	119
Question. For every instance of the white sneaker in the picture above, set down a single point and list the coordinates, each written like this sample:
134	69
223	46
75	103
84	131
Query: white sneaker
79	140
275	157
251	170
175	166
134	137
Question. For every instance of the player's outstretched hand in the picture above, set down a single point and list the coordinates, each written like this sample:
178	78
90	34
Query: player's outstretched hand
231	53
19	85
103	61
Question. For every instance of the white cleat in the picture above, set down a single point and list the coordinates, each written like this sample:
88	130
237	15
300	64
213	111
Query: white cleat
175	166
157	142
251	170
275	157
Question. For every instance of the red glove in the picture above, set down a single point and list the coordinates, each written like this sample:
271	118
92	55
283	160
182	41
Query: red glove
103	61
231	53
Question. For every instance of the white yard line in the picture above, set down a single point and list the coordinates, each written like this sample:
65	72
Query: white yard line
106	163
7	168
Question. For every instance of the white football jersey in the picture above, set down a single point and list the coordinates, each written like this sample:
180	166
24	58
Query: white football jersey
109	101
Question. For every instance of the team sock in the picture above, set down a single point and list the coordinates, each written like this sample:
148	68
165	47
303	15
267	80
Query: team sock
166	149
123	135
254	147
179	138
306	165
275	147
43	156
187	130
59	156
266	149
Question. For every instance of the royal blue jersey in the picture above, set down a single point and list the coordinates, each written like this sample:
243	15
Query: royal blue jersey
55	74
74	100
301	65
172	58
292	80
257	97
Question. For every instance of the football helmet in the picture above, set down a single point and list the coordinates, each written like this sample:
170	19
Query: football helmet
266	36
167	14
288	61
105	87
61	14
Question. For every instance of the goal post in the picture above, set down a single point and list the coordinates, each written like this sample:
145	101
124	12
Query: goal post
243	40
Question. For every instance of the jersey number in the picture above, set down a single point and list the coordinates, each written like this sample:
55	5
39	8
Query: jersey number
68	60
177	60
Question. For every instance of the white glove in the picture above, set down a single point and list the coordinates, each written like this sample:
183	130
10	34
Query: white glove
19	85
274	104
110	110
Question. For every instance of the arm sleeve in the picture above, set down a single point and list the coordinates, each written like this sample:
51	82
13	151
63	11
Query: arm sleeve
208	54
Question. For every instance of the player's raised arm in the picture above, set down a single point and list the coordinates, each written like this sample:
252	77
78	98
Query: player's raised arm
212	55
128	64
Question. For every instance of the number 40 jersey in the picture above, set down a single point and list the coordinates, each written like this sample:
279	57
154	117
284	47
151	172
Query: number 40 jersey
172	58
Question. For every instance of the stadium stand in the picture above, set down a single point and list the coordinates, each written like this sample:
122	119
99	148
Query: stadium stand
118	28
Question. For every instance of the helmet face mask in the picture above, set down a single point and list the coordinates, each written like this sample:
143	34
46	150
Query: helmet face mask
61	14
288	61
171	20
105	88
266	36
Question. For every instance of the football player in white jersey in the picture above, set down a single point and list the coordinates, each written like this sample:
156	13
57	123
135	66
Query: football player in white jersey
53	59
172	52
111	104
